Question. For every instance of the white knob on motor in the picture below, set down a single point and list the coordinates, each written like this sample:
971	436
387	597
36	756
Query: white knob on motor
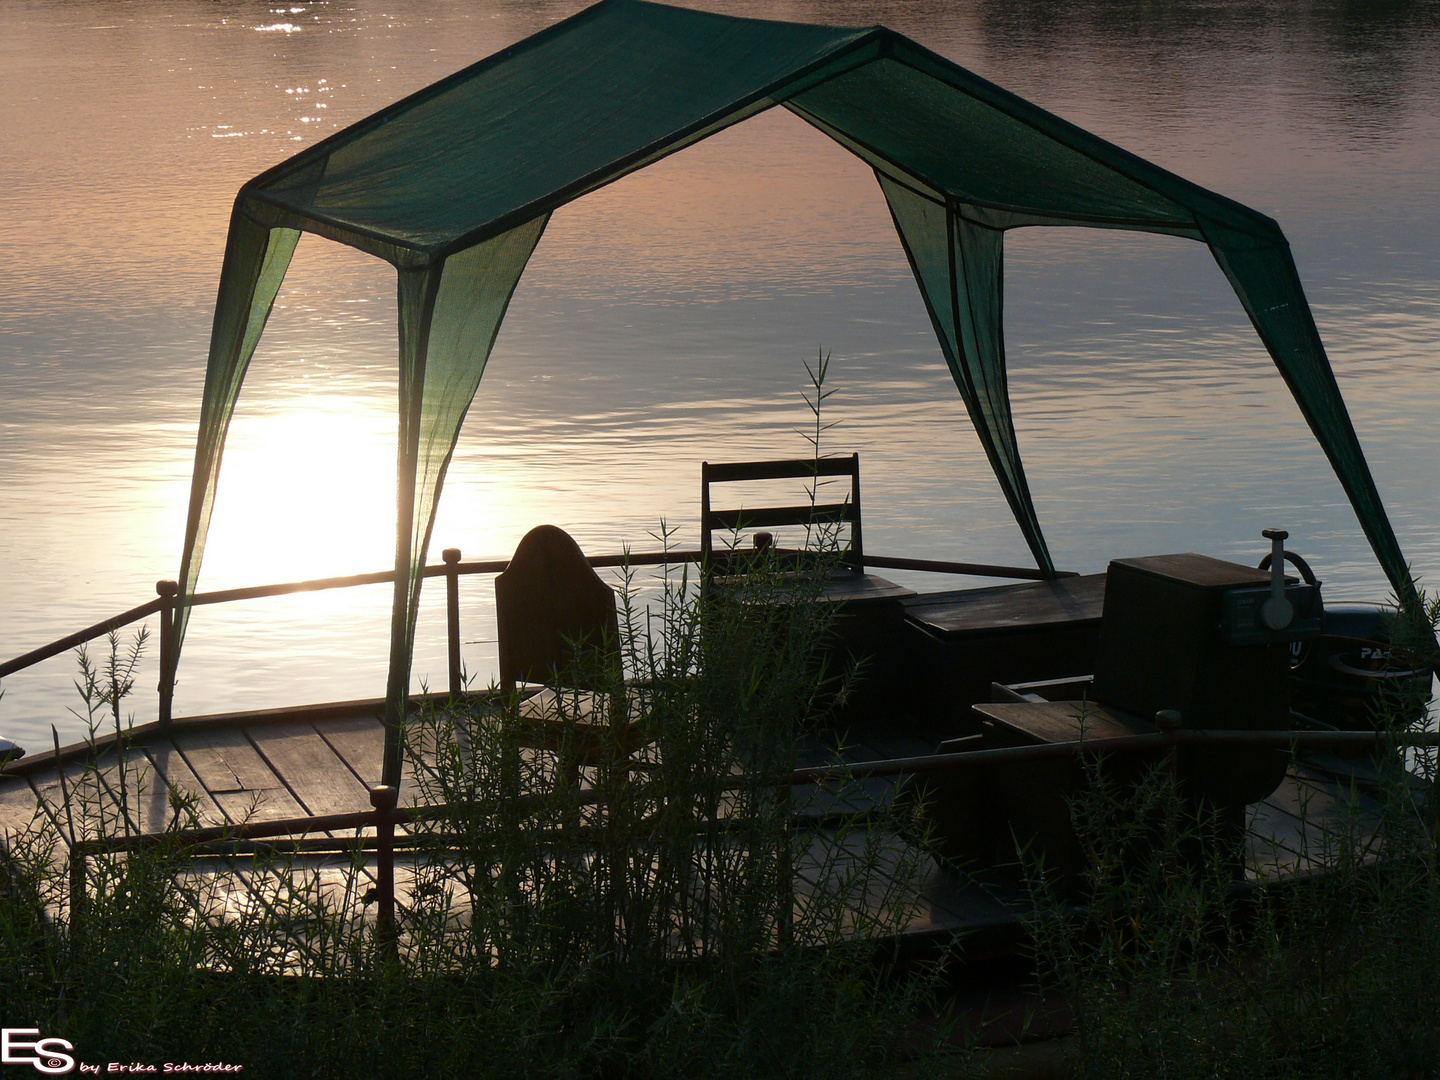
1276	613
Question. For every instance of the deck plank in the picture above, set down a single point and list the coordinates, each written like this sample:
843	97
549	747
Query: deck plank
977	904
859	872
310	769
172	769
1323	803
859	795
91	808
136	791
17	806
360	742
1276	841
235	776
968	612
320	767
1332	820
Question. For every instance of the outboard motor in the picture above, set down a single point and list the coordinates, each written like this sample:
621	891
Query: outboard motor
1350	675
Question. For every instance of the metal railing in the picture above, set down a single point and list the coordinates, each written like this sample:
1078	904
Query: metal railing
282	836
295	834
452	568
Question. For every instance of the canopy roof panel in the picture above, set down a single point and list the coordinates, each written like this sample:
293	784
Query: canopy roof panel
546	120
978	154
625	82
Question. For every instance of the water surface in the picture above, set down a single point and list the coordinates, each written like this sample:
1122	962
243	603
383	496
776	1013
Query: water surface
666	319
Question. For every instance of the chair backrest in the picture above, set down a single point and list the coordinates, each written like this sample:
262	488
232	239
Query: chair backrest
847	512
555	618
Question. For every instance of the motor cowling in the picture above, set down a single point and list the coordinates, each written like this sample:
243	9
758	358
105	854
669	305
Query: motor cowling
1351	675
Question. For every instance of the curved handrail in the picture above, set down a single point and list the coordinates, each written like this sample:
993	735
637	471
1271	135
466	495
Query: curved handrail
458	569
80	637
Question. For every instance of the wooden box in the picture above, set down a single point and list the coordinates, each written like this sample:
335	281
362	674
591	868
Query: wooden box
1161	647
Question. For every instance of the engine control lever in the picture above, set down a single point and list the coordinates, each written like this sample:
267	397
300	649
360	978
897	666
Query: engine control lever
1276	613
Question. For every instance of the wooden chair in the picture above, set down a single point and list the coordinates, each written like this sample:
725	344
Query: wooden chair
865	612
558	630
816	514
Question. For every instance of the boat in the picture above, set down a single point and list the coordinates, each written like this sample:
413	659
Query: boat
454	186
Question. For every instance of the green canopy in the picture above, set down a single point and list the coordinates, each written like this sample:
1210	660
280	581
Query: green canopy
454	185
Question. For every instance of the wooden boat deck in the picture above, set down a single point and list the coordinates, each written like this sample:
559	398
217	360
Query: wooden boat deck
275	765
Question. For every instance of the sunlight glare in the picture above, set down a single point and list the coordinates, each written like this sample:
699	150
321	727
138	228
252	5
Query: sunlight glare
306	490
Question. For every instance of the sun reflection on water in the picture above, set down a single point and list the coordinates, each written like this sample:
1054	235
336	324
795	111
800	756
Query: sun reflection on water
306	490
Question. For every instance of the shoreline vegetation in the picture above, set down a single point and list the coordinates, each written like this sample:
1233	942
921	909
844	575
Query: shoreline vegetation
640	924
647	929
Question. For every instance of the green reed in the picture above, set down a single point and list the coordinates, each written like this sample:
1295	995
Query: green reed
645	924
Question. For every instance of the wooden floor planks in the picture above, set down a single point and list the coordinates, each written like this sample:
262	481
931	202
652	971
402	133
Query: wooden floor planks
235	775
71	794
359	741
18	808
311	771
171	768
301	767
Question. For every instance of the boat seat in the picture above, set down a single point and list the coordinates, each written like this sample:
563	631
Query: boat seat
867	616
812	514
1162	647
848	584
560	664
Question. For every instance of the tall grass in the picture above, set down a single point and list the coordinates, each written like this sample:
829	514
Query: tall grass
641	922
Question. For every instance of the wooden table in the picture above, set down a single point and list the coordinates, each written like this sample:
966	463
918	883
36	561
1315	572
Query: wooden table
965	640
1039	722
848	587
867	628
1060	602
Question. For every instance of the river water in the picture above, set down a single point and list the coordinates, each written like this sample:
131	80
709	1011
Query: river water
667	319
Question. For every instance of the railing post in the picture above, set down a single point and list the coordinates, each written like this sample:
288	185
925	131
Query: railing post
77	888
452	614
384	798
167	591
1170	722
785	915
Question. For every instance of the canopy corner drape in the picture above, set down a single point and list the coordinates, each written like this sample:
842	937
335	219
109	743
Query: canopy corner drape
450	314
256	258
